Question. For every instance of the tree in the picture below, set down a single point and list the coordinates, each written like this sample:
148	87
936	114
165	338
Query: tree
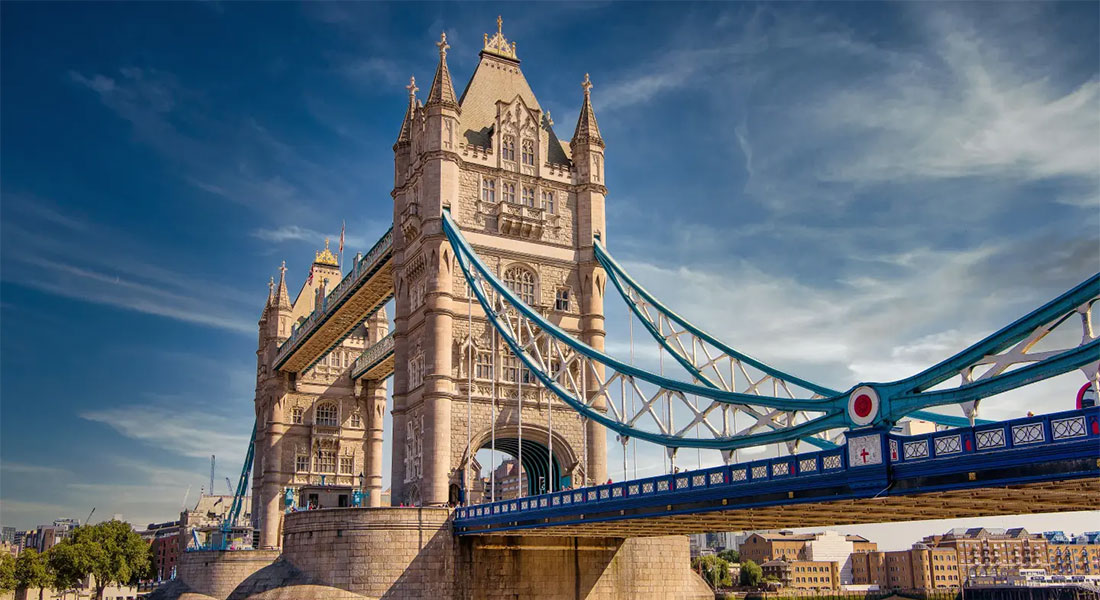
31	572
730	556
7	572
751	574
713	569
111	552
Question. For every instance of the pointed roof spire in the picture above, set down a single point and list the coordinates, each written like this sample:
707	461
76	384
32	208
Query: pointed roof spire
588	131
283	300
405	135
270	291
442	91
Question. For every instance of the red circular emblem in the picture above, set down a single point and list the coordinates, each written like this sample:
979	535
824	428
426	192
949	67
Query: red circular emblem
863	405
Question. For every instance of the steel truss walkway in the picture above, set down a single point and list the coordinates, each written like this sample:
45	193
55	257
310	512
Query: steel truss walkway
1046	463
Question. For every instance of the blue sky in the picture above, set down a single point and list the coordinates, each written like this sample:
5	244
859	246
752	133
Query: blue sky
851	191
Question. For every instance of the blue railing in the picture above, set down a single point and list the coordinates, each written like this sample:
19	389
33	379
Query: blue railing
933	449
363	269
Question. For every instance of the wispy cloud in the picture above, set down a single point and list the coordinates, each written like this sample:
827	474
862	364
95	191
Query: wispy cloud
187	432
46	251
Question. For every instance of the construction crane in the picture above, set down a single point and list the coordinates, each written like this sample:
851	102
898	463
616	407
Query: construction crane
229	484
242	489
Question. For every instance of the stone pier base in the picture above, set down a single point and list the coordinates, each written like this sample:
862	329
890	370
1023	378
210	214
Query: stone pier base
364	553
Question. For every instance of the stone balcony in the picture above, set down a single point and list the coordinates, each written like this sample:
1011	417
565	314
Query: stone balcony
520	220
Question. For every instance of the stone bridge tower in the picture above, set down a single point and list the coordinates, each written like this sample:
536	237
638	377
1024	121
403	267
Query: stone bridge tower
318	433
531	207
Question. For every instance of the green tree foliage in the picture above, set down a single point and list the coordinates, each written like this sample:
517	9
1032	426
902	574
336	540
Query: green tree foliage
751	574
730	556
7	572
31	571
111	552
714	570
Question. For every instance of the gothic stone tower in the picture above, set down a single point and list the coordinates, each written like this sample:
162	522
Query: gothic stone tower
315	433
531	207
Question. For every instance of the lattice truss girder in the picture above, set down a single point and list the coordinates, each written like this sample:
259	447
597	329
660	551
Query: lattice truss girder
637	403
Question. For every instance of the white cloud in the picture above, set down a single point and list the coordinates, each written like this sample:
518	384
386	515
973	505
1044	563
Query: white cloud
189	432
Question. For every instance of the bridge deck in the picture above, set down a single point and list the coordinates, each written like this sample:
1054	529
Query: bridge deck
1048	463
376	362
363	291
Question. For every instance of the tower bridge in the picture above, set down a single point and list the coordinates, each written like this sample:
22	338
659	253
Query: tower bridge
497	266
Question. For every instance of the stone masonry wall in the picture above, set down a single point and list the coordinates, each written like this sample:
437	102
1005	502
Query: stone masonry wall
571	568
216	573
377	552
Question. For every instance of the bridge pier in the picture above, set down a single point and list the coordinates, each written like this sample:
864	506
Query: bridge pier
346	553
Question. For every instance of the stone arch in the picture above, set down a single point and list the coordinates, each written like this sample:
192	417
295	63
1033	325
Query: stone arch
536	447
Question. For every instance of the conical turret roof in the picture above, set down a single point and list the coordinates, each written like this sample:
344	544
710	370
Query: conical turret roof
588	131
442	91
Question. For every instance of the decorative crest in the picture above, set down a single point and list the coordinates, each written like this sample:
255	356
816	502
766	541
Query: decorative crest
326	257
587	85
498	45
412	87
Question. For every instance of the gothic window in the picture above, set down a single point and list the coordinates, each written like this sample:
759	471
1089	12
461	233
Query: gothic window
508	192
488	190
326	460
483	365
561	300
301	463
522	282
510	368
345	465
508	148
529	196
548	201
326	415
529	152
296	415
356	419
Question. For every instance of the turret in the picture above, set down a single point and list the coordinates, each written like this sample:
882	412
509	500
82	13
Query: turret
588	153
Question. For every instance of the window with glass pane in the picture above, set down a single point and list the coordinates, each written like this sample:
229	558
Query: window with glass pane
483	365
522	282
488	190
356	420
528	152
508	148
345	465
326	460
548	201
510	368
561	299
326	415
529	196
508	192
301	463
296	415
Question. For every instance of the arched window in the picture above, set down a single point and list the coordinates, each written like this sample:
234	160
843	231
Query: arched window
522	282
326	415
529	152
508	148
508	192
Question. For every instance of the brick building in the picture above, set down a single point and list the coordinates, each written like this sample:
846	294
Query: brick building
919	568
803	574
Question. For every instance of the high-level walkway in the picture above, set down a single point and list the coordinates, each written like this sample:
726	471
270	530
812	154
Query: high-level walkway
362	291
1040	464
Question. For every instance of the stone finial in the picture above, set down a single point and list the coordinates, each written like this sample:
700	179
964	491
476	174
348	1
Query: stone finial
283	299
587	85
442	92
498	45
412	88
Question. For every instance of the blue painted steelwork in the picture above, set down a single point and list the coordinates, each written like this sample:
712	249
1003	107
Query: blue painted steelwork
994	454
626	284
897	399
242	491
475	271
620	278
363	270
